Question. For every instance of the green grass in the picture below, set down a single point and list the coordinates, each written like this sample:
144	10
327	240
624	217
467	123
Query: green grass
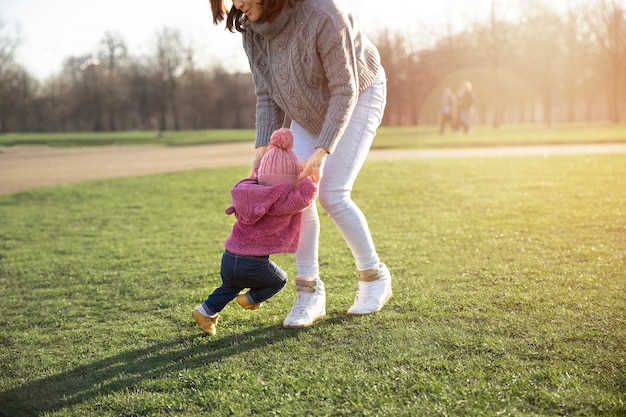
505	135
509	298
388	137
168	138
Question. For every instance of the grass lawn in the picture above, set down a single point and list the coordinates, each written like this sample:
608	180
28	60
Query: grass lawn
509	298
505	135
388	137
168	138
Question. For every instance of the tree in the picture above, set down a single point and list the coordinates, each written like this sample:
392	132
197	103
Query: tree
607	20
495	40
16	86
113	51
577	53
560	67
84	93
143	95
541	57
169	67
399	63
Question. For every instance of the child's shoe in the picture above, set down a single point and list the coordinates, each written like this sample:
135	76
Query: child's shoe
242	300
373	292
207	324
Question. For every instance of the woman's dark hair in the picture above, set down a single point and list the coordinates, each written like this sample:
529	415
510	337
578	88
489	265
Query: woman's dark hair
235	19
218	8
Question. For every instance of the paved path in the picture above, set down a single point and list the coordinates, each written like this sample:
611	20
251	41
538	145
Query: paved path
26	168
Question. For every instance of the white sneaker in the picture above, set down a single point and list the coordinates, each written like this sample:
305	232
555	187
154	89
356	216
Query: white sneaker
309	305
373	292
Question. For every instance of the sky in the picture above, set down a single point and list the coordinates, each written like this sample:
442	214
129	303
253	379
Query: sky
51	31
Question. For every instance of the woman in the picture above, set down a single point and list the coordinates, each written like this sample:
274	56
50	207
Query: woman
312	64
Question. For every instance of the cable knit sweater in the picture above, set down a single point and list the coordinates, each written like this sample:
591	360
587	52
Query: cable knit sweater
311	63
269	218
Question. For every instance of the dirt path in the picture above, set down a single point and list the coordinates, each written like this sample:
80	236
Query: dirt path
26	168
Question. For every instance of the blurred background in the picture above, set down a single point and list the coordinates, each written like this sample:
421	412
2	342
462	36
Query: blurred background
72	65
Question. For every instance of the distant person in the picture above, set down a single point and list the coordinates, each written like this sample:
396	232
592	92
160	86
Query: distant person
268	212
310	61
448	109
466	106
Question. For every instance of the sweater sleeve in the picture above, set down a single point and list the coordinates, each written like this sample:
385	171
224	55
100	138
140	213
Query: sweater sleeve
337	52
269	116
296	200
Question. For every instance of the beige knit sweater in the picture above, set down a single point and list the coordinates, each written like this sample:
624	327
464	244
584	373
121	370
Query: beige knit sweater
310	63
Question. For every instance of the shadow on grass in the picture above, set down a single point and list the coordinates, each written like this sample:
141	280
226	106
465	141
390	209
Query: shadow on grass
128	369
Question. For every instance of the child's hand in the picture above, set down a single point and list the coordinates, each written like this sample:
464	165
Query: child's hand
314	165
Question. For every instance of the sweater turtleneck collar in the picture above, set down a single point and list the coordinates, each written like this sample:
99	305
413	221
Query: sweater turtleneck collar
269	30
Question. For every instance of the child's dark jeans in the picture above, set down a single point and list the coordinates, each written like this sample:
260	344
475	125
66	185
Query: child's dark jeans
263	277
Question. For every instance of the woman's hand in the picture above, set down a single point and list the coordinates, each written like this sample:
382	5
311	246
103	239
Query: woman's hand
256	162
314	166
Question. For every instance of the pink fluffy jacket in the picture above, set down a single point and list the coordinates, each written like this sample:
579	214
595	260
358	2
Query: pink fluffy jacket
269	217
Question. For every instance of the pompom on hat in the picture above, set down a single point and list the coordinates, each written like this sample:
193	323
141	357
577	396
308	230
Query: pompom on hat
279	165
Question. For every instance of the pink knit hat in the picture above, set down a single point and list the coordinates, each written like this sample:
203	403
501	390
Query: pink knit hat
279	165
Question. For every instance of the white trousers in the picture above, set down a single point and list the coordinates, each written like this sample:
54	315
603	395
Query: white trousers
340	171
